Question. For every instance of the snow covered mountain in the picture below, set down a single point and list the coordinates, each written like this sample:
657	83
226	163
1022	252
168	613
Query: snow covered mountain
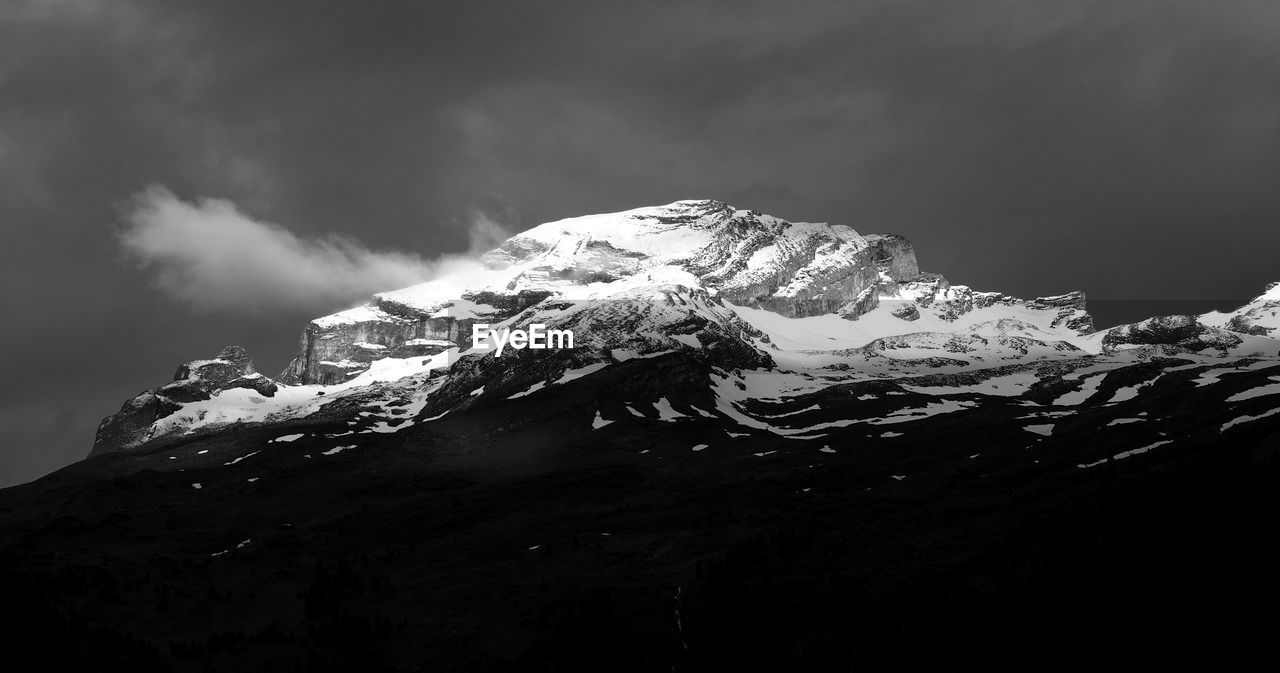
771	445
755	310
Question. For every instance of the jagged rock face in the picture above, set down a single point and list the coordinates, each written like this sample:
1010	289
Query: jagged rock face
894	255
1180	331
990	347
194	381
132	424
951	303
337	348
331	353
864	303
906	312
1070	307
1243	325
232	368
794	270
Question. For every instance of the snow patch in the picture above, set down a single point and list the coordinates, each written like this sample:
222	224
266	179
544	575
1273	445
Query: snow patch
580	372
532	389
1260	391
919	413
1087	389
1126	454
1009	385
666	412
690	340
792	413
1248	419
233	462
1129	392
1213	375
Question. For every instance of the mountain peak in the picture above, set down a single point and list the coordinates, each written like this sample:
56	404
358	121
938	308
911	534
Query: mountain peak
748	257
733	294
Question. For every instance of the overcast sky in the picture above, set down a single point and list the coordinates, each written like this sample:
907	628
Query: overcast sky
162	160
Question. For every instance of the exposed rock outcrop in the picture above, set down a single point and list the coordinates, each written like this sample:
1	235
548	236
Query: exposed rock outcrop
906	297
1179	331
1071	310
906	312
894	255
339	347
194	381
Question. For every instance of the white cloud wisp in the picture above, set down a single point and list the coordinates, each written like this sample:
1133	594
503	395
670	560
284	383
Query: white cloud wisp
211	256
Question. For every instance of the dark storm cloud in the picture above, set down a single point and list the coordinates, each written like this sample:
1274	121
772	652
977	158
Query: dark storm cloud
1126	148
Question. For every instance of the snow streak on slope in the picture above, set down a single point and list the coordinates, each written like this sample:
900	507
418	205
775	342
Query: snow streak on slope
1009	385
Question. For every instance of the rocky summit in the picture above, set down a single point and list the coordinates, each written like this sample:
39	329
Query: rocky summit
771	445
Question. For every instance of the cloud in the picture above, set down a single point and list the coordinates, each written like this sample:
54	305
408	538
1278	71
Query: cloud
213	257
484	234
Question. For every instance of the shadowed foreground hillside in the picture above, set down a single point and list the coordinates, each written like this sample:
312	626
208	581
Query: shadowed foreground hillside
425	552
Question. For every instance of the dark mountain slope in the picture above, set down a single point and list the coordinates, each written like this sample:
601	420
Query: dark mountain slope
493	542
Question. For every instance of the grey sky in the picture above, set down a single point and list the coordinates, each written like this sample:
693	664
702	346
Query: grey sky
1130	149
